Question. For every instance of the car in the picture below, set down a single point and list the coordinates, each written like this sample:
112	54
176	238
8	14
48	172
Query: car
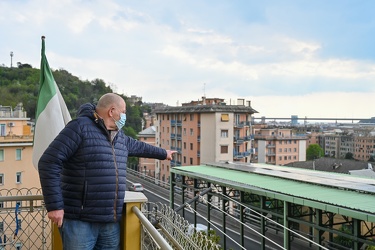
136	187
199	228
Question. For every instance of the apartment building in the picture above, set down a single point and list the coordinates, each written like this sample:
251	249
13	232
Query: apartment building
278	146
16	146
204	131
16	169
364	147
146	165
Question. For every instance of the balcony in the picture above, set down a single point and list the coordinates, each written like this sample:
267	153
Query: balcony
239	125
238	140
145	225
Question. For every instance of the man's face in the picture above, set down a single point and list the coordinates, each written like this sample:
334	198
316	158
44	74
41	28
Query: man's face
115	113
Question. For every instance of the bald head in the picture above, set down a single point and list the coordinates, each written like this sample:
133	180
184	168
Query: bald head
109	108
109	100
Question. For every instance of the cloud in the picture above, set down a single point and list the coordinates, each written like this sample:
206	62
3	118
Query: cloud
167	51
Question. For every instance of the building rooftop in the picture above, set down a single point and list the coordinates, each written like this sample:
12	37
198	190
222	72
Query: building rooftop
148	131
328	164
213	108
329	191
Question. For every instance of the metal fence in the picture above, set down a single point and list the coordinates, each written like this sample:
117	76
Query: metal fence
23	220
175	229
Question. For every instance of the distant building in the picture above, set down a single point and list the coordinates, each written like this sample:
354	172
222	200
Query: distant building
16	147
294	120
364	147
278	146
204	131
133	100
147	165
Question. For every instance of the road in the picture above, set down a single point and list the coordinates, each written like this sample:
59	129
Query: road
155	193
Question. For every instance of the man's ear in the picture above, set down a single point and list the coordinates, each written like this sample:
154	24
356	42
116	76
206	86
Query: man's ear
110	112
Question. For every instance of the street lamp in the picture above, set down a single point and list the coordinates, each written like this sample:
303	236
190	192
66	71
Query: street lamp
11	59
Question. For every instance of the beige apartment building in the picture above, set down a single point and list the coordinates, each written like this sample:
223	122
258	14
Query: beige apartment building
16	146
204	131
16	169
278	146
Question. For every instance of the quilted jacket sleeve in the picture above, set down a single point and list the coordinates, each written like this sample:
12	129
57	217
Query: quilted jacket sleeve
51	162
142	149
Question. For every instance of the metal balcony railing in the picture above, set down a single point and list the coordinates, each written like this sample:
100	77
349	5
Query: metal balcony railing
23	220
24	224
175	229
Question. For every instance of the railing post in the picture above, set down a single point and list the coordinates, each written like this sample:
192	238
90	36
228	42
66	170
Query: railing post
130	225
56	238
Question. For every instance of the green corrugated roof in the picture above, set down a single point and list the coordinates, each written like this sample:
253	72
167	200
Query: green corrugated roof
347	202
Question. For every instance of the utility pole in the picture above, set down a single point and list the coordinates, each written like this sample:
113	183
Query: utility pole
11	59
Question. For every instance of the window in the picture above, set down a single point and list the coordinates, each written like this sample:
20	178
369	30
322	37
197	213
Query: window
2	129
191	146
184	145
224	149
224	133
191	117
1	154
1	179
1	226
225	117
18	154
191	131
191	161
184	159
184	131
18	177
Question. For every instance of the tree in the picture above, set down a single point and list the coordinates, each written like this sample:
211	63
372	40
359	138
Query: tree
349	156
342	240
314	151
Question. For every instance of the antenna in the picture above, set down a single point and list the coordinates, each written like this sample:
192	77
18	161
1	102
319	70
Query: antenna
11	59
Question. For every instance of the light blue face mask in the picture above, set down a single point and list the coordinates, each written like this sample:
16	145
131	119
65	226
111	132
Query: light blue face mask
120	123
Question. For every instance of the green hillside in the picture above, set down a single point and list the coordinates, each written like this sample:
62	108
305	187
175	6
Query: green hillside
21	84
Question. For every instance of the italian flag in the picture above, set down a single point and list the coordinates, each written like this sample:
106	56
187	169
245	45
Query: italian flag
51	112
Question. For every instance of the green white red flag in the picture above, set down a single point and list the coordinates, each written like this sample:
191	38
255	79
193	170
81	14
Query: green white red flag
51	113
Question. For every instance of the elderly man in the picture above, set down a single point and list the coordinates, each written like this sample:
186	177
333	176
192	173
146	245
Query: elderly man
83	174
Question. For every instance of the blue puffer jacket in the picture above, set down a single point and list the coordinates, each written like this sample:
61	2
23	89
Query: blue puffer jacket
84	173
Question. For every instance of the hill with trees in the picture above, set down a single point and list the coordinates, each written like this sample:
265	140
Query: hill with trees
21	85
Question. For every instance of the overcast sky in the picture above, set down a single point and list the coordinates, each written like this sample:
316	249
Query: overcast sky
290	57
